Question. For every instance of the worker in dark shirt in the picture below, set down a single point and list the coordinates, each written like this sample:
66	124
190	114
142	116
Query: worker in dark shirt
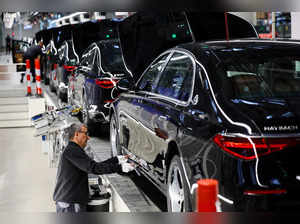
71	192
35	51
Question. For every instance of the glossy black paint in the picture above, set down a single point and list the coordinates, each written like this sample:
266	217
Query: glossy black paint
68	61
153	127
94	83
145	35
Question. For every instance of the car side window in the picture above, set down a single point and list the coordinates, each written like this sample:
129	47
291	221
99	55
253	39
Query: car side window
147	82
96	63
88	58
91	57
177	79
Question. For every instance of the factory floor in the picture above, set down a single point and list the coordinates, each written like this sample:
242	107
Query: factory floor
26	181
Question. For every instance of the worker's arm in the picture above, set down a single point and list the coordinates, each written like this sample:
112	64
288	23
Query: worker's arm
82	161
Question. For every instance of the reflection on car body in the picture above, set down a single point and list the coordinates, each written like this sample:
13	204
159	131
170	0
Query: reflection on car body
94	84
68	61
206	110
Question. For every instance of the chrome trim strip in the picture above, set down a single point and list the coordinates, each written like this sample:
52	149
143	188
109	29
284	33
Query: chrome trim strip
225	199
53	46
247	127
138	122
167	59
256	163
185	173
77	61
193	188
67	50
159	96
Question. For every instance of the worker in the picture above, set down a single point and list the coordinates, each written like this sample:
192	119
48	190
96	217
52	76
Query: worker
35	51
71	192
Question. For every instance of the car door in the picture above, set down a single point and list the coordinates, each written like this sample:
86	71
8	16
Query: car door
198	124
93	90
79	78
163	108
132	135
86	79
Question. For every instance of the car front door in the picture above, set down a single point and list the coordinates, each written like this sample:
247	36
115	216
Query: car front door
163	107
86	79
132	135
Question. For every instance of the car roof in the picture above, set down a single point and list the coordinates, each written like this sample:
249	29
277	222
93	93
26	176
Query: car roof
245	44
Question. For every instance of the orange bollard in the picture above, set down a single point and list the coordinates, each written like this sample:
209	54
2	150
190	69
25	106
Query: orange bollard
38	77
28	77
207	195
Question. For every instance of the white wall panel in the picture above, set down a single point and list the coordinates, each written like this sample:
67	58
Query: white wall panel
295	25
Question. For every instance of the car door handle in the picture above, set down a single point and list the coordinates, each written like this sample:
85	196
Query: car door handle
162	118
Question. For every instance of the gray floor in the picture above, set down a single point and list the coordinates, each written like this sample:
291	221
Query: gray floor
26	181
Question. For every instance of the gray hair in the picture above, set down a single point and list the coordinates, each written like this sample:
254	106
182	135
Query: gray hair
75	127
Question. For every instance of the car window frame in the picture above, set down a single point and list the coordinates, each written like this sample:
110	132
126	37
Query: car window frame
84	56
88	52
97	65
92	51
169	52
176	101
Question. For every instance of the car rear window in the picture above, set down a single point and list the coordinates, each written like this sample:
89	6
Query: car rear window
111	57
273	77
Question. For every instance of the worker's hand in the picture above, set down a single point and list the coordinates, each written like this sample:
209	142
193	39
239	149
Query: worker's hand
127	167
122	159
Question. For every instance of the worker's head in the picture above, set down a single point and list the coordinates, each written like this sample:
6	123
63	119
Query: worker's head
78	133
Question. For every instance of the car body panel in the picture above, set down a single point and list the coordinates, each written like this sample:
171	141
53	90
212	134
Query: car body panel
211	110
96	79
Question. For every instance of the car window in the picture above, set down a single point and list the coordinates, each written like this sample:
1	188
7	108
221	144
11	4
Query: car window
147	82
96	64
177	78
274	77
111	56
70	53
88	58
